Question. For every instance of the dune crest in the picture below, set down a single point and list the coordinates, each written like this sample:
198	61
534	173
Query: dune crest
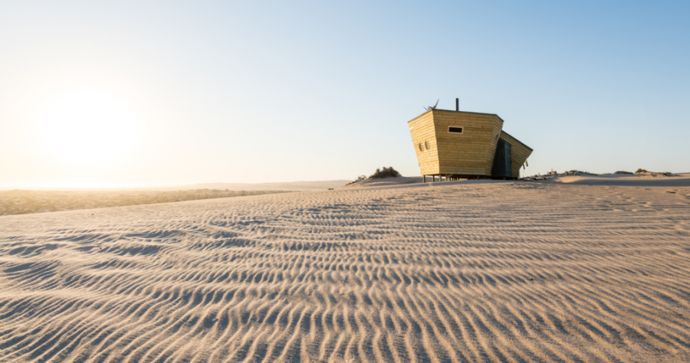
454	272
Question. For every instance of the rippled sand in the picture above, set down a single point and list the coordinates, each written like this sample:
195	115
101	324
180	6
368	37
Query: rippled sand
454	272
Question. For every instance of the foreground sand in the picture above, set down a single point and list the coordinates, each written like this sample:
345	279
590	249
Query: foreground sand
466	271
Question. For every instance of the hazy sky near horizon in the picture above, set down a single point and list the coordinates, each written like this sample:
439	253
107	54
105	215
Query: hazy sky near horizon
139	93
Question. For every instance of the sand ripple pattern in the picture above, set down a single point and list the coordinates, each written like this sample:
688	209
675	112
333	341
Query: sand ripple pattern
455	272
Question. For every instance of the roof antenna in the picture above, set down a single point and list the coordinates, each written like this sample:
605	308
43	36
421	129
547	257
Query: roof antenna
457	104
432	107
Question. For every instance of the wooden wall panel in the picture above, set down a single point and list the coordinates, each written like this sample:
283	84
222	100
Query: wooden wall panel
422	131
469	153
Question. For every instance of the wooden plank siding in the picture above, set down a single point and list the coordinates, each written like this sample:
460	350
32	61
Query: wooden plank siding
519	152
422	130
469	153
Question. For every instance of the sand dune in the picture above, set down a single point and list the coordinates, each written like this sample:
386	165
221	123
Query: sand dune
678	180
42	201
450	272
298	185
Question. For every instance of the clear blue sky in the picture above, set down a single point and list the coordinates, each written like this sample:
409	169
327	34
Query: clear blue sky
145	93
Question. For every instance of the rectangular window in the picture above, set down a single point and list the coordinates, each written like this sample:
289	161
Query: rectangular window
455	129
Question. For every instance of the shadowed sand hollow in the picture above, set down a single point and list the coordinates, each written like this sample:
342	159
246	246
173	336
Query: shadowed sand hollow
451	272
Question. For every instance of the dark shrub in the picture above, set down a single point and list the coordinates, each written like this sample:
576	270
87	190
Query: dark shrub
385	173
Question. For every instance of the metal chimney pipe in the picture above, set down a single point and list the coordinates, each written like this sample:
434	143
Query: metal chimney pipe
457	104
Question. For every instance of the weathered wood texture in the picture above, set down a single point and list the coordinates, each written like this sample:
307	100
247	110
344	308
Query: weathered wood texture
519	153
469	153
423	132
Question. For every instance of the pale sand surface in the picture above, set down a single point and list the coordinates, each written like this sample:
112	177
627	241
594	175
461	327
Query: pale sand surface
298	185
42	201
627	180
451	272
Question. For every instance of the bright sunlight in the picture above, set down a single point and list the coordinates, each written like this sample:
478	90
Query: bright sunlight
87	128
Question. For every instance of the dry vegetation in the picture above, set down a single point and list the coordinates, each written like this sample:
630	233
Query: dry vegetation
385	173
32	201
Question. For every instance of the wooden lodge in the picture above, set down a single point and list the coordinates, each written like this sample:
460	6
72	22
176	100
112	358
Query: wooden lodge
458	144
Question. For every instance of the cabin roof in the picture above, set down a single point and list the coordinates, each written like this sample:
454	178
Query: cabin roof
522	143
476	113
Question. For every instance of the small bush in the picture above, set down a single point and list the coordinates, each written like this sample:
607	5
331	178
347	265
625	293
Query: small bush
623	172
385	173
641	171
359	179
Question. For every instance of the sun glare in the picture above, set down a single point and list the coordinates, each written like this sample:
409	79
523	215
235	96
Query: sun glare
86	128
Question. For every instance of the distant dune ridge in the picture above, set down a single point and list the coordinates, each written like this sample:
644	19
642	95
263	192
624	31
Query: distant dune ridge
45	200
467	271
298	185
41	201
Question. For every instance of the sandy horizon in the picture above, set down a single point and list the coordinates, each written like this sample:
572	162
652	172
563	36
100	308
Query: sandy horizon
265	186
450	272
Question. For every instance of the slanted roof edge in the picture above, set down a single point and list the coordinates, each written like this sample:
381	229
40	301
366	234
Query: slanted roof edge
476	113
418	116
523	144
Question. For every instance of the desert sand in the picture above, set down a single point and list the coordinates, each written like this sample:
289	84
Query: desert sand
42	201
464	271
292	186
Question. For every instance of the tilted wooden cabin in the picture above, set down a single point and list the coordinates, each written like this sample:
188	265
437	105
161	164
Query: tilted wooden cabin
458	144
